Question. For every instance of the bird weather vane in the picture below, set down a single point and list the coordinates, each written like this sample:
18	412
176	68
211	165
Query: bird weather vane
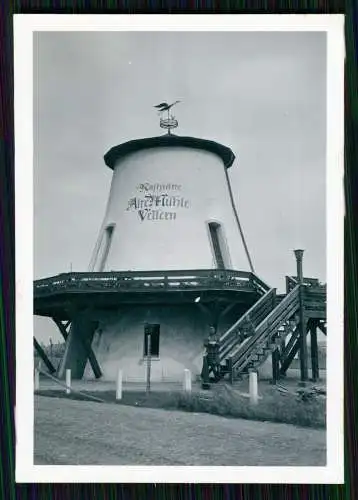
168	122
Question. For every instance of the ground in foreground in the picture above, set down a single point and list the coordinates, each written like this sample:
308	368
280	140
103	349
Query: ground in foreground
69	432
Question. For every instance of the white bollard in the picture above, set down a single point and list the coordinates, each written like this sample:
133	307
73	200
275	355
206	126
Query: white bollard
68	381
37	380
119	385
187	381
253	388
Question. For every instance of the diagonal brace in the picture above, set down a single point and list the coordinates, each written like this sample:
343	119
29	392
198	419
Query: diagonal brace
44	357
322	328
288	360
91	356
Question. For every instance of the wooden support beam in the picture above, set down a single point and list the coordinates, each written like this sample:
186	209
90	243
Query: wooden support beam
314	352
322	328
61	327
206	311
286	351
227	309
302	324
216	311
291	349
76	352
303	340
91	356
43	356
289	358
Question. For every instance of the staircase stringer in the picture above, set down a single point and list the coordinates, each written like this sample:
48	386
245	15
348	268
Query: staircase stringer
264	337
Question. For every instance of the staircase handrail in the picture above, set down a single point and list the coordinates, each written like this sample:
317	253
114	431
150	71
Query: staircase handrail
225	341
259	284
264	329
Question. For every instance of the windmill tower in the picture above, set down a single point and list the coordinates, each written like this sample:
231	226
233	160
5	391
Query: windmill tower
170	206
170	260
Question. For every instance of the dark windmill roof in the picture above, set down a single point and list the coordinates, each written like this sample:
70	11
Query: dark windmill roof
168	140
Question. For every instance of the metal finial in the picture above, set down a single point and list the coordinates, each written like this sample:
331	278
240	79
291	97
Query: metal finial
168	122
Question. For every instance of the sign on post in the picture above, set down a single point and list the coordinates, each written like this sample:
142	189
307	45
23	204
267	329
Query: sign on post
149	361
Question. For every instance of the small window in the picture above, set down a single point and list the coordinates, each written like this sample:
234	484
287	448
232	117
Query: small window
152	331
216	242
105	246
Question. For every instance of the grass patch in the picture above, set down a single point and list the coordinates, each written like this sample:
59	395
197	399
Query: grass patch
286	408
224	401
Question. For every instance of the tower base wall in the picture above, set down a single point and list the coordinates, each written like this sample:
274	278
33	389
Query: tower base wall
119	341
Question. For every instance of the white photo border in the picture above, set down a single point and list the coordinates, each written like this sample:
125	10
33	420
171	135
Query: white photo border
24	27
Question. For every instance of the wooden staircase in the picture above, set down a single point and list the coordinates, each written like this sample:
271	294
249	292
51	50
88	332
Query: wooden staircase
263	329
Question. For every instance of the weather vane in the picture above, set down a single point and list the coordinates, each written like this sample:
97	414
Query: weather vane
168	121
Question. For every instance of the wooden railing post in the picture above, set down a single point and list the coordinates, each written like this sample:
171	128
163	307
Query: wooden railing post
314	352
302	324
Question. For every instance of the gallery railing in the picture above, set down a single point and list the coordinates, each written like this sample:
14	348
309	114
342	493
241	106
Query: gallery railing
315	300
292	282
149	281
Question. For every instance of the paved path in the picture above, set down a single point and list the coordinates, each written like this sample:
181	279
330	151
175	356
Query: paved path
83	433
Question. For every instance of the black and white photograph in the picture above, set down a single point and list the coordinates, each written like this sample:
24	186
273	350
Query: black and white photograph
181	251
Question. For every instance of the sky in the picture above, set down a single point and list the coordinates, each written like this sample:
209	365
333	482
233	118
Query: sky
261	94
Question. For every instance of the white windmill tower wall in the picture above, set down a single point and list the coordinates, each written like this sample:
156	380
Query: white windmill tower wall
161	204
